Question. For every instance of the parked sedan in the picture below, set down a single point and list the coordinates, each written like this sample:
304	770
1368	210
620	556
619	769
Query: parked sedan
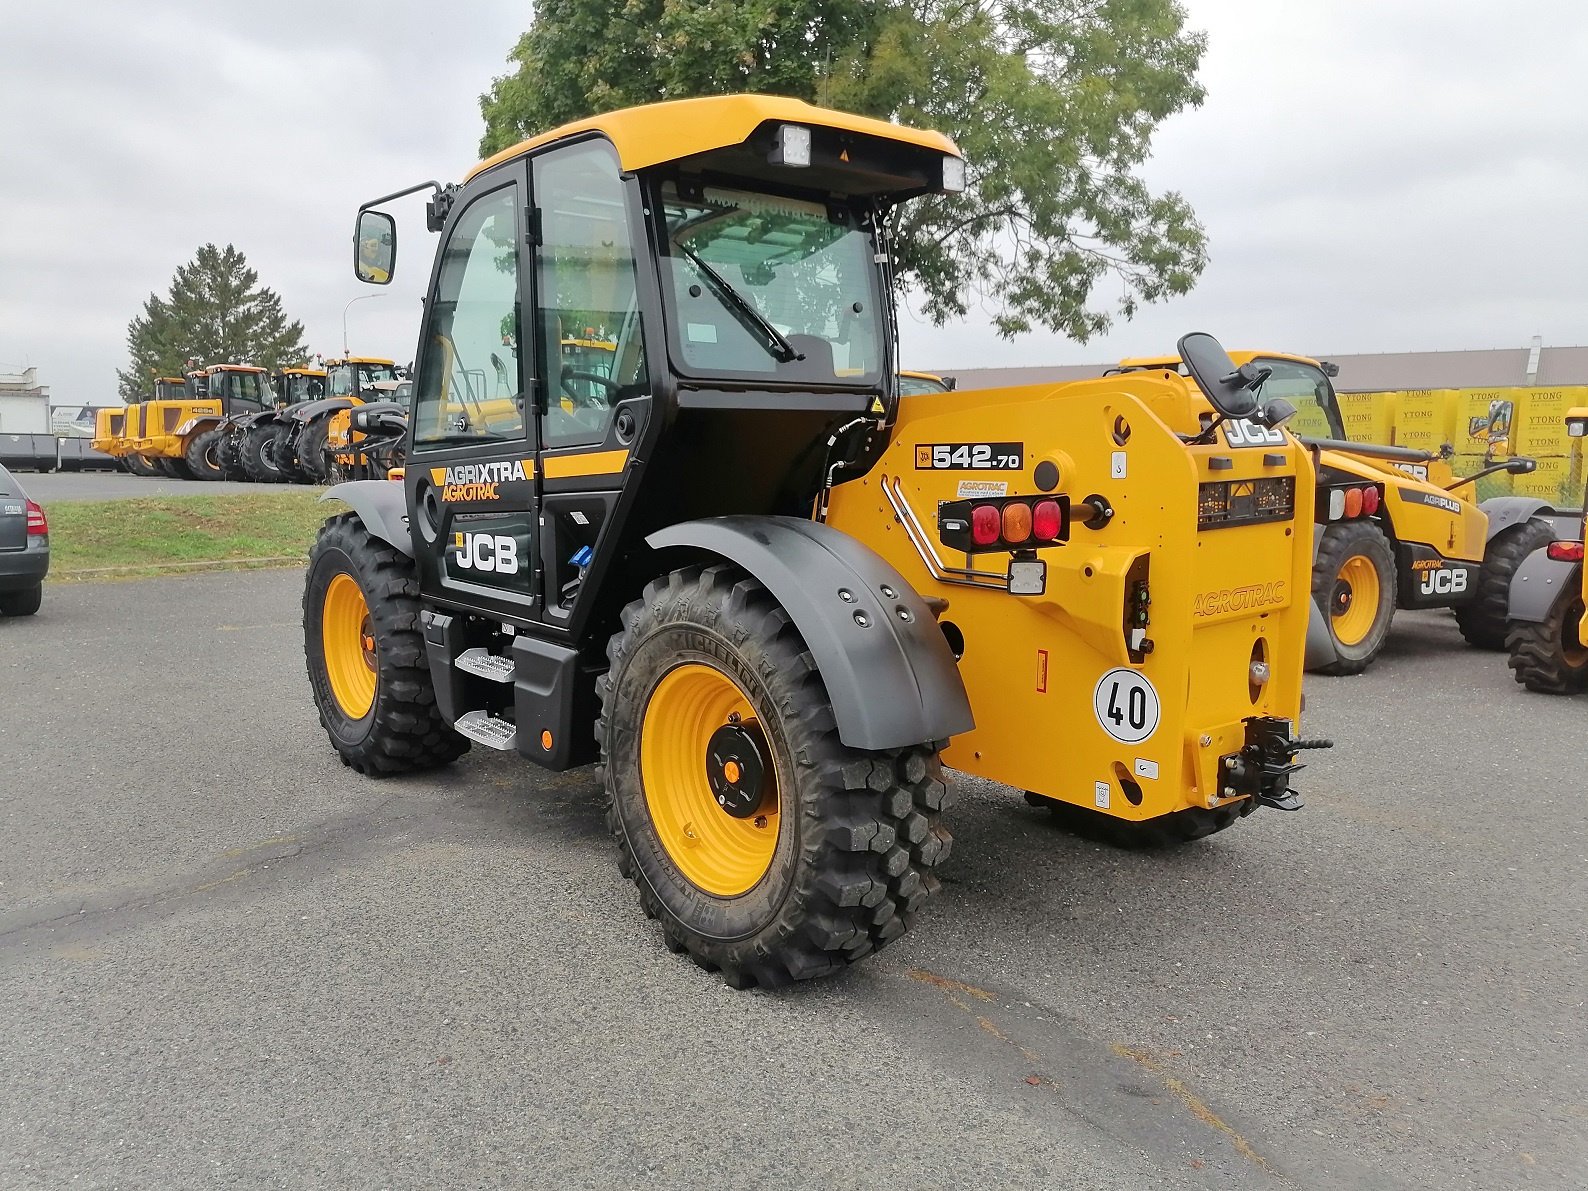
24	549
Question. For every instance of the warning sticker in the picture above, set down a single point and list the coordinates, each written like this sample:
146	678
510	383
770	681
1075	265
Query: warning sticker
979	489
1042	671
1101	790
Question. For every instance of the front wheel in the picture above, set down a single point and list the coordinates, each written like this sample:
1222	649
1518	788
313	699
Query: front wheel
138	465
203	456
1482	619
258	454
312	455
1353	581
769	850
366	654
1550	656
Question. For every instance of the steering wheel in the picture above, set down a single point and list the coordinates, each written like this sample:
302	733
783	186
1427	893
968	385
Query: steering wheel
606	382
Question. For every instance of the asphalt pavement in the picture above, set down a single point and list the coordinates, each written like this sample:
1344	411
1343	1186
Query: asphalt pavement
226	960
118	485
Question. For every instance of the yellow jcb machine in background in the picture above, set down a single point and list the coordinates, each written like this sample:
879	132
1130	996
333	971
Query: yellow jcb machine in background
117	430
300	449
1547	632
764	608
1393	527
177	433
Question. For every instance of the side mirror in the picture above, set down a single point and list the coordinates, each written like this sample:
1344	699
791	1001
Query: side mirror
375	247
1276	412
1232	390
1521	465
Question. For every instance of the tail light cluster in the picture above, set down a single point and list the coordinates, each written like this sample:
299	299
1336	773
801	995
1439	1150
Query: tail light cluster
1565	551
1349	503
38	526
1008	523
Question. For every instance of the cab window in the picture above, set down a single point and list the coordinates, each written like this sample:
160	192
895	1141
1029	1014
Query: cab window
588	313
468	389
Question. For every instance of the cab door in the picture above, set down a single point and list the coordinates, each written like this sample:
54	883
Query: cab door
471	475
596	395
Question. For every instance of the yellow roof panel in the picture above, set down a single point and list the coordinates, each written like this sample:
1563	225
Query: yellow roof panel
679	128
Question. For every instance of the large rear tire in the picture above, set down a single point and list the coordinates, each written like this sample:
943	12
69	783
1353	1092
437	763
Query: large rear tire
1482	620
829	853
1353	581
1550	656
366	654
203	458
1166	831
140	466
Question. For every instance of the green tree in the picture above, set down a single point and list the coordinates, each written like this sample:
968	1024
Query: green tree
215	312
1054	103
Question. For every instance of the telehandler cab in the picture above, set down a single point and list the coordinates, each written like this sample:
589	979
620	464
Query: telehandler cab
1547	632
764	608
1393	528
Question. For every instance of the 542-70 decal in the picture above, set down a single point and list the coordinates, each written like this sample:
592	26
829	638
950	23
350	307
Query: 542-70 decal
969	456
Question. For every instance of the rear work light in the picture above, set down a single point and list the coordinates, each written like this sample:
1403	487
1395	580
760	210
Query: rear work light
1004	523
38	527
1224	503
1565	551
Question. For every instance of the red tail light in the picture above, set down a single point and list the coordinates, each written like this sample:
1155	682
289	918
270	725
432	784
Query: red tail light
1017	522
1565	551
1370	501
1047	519
1353	502
37	525
985	524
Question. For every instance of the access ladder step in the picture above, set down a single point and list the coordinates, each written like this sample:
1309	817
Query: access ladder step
485	664
484	728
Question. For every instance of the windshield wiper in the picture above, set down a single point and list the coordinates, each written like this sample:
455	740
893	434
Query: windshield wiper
777	346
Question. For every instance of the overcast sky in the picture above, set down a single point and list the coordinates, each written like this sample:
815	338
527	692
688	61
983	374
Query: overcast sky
1375	175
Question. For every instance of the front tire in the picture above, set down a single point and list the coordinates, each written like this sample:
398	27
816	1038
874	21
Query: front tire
258	454
312	455
1482	620
138	465
366	654
22	603
203	456
1353	581
828	856
1550	656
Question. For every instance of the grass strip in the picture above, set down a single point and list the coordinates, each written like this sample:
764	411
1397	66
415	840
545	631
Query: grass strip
160	534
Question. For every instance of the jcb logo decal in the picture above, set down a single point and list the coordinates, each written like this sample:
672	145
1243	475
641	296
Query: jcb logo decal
486	552
1244	432
1444	582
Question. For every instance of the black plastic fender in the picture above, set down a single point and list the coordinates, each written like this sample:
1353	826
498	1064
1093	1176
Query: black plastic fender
307	411
1539	584
382	507
1506	511
1320	641
888	669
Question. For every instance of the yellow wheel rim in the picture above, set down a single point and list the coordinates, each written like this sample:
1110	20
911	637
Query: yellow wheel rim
722	854
1354	604
348	640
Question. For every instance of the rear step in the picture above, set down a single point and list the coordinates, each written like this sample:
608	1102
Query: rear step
482	662
484	728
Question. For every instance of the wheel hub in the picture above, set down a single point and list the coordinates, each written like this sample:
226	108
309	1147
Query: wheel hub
1342	598
736	769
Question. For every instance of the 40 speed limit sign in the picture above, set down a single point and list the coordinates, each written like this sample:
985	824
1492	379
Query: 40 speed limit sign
1126	705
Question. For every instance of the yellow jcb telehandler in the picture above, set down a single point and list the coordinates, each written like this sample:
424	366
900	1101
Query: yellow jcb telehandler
765	610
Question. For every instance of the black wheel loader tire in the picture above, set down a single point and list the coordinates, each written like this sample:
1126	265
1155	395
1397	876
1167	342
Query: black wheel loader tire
203	458
258	454
312	455
226	453
1353	544
286	458
402	731
1550	656
177	469
858	833
140	466
1483	619
22	603
1166	831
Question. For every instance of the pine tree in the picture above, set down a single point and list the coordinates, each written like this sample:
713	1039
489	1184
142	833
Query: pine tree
215	312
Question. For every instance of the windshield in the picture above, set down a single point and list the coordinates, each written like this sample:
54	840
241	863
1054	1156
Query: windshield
298	387
240	386
1308	389
368	374
772	287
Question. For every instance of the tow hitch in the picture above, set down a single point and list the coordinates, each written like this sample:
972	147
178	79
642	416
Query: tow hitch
1261	770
